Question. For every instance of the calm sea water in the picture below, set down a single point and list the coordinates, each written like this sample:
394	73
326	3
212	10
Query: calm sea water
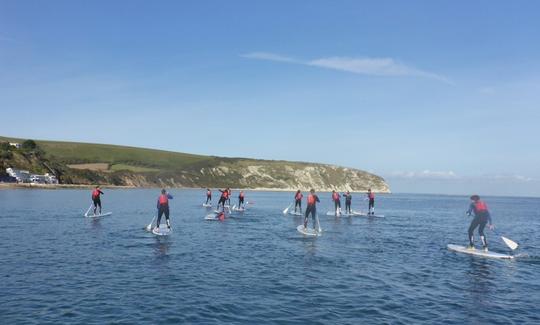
58	267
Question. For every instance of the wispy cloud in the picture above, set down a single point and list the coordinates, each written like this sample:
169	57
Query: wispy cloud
426	174
363	66
269	57
450	175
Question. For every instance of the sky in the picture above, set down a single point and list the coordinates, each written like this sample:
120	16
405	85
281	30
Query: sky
435	96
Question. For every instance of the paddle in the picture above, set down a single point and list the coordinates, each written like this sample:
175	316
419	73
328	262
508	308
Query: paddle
509	242
86	214
149	227
287	209
318	223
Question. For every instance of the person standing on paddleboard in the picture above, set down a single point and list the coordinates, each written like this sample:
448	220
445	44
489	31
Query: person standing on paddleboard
208	196
337	202
371	205
163	208
311	209
298	201
348	201
481	218
223	198
96	198
241	199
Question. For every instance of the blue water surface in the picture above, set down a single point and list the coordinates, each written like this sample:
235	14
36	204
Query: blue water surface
59	267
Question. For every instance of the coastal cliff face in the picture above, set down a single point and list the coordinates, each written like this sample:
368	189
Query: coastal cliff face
264	175
89	164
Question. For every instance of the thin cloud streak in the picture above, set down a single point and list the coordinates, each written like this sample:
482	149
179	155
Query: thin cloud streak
363	66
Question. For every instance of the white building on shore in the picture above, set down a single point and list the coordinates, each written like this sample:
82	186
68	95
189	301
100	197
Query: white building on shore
24	176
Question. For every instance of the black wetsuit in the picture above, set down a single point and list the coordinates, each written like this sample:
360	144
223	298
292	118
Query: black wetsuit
222	199
480	220
97	200
163	208
298	202
371	203
240	201
312	209
348	200
337	203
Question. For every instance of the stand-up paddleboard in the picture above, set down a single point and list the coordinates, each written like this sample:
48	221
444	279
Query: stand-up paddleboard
292	213
308	231
215	217
207	205
238	209
163	231
333	213
354	214
97	215
478	252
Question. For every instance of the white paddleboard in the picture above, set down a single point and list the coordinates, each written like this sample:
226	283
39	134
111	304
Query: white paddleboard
209	205
308	231
163	231
333	213
235	208
98	215
292	213
477	252
355	214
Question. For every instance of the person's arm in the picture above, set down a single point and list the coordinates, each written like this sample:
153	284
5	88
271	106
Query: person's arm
170	196
101	192
317	198
157	204
471	209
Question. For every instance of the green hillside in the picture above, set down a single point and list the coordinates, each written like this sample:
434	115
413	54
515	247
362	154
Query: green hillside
86	163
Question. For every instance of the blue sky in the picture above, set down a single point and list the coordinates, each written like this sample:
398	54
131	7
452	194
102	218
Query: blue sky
434	96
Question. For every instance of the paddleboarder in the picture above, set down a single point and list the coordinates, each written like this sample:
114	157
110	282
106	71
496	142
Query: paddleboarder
371	205
481	218
208	196
311	208
241	199
298	201
337	202
223	198
96	198
348	200
163	208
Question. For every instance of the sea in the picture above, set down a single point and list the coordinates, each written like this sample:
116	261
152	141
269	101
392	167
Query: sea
59	267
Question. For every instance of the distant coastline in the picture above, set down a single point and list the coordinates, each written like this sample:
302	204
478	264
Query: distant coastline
6	186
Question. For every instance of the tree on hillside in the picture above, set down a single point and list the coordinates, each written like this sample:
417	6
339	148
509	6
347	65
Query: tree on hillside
29	145
5	150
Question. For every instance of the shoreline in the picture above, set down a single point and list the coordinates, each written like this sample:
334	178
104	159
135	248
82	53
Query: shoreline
6	186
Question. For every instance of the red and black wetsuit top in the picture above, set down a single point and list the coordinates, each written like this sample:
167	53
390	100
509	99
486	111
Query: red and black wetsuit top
95	194
298	196
163	200
371	195
312	199
241	195
335	196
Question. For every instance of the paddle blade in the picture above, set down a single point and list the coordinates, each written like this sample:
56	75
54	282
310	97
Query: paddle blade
287	209
510	243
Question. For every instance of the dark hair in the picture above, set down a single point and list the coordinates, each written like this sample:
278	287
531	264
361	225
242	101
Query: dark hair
163	191
475	197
